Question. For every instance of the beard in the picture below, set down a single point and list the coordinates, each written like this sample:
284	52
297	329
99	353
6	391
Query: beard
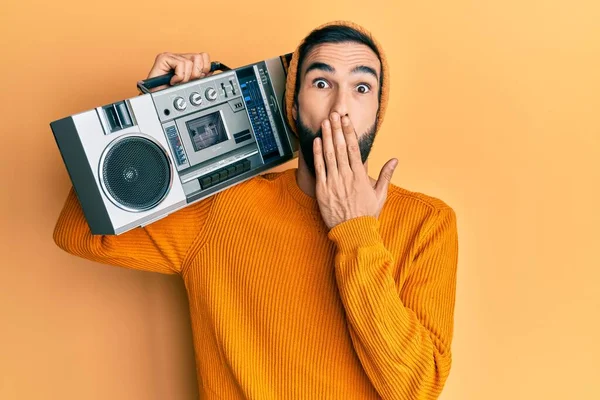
307	137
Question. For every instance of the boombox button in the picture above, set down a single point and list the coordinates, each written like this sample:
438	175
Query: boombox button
205	182
215	178
179	104
246	164
211	94
196	99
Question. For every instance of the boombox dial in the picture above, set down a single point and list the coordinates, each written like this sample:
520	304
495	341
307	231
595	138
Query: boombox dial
211	94
196	99
179	104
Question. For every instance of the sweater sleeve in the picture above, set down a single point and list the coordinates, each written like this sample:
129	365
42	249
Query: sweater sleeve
159	247
402	336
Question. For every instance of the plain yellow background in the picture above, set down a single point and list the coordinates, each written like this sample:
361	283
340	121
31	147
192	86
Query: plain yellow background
494	108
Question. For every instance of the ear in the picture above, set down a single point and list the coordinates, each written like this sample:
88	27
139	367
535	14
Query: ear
295	111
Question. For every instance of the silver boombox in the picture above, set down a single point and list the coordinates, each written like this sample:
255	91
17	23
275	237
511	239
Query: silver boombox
135	161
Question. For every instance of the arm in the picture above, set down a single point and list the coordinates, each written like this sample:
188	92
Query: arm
159	247
402	337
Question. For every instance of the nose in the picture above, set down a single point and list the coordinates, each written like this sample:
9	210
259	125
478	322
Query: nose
340	103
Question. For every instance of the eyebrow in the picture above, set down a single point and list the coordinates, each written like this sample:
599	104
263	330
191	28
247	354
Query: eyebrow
321	66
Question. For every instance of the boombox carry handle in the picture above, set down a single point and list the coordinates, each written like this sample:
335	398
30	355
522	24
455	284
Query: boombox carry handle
145	85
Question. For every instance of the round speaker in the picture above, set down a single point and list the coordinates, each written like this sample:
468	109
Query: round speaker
135	173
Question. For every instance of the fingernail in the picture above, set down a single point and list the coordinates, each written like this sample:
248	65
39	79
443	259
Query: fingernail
335	117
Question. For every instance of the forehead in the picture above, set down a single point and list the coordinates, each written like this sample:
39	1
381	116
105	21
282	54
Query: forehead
342	56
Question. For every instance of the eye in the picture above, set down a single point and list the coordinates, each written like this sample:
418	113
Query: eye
319	83
365	88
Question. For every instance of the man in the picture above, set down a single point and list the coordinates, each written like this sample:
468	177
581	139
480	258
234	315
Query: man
315	282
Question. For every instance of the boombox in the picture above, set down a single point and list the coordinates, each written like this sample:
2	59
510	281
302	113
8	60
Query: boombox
136	161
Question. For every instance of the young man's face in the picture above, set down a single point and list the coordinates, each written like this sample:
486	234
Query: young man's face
341	77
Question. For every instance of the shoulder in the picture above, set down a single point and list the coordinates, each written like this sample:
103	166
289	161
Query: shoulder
416	209
257	183
260	189
399	194
272	176
241	199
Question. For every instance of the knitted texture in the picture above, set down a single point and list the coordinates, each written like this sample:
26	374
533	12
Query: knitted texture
283	308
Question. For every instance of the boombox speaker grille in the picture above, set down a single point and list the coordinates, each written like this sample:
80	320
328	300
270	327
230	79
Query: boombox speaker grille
136	172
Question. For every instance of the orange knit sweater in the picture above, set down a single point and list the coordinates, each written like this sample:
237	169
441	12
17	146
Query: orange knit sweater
281	308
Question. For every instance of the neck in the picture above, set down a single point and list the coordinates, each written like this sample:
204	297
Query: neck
307	183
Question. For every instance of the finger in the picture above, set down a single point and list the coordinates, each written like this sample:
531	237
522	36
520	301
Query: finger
353	148
328	150
165	63
162	65
339	143
385	177
206	64
197	61
189	65
320	172
176	63
186	67
178	66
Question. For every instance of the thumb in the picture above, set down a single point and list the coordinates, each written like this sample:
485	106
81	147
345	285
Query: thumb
385	177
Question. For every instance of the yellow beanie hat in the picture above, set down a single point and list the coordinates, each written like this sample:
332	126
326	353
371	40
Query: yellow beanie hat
293	72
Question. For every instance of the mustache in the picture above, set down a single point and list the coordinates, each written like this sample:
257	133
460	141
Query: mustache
365	141
307	137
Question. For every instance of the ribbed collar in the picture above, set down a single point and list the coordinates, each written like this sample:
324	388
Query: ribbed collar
289	178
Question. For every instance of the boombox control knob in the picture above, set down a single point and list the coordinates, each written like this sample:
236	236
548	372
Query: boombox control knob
196	99
180	104
211	94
